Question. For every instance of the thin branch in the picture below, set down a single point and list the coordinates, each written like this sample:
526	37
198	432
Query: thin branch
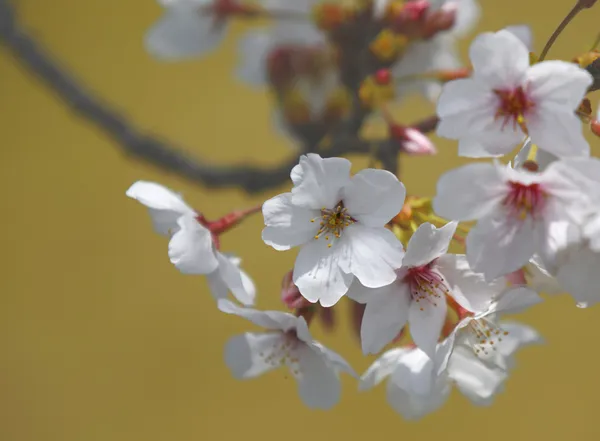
251	178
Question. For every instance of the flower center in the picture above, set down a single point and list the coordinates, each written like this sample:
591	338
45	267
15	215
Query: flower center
513	106
284	352
426	285
333	222
524	200
483	336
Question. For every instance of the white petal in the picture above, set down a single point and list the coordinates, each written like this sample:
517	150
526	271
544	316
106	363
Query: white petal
539	279
243	353
523	33
288	225
319	386
361	294
381	368
333	358
499	246
374	197
428	243
465	107
515	300
164	205
467	15
499	59
414	407
475	379
469	192
468	288
519	335
426	319
267	319
444	349
542	158
384	318
374	254
318	182
254	48
232	278
317	273
558	82
580	277
216	285
191	248
558	131
182	33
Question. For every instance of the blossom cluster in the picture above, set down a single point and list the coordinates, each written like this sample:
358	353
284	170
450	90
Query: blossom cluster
436	318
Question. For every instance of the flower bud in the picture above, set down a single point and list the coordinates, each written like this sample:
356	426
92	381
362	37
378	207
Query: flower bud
412	141
290	294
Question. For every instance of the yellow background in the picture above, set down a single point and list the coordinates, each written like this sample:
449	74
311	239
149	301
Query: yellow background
101	339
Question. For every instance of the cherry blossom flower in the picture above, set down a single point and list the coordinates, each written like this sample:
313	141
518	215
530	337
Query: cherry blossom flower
287	343
578	274
277	53
339	221
418	296
414	390
519	213
191	245
189	28
506	99
477	329
436	53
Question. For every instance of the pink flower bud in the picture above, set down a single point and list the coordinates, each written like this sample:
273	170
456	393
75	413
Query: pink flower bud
290	294
516	278
412	141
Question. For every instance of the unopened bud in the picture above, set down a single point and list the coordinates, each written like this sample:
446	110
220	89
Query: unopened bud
383	77
412	141
388	45
595	127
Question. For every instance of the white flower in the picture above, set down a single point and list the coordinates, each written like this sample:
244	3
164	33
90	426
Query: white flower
505	99
519	213
191	248
414	390
418	295
579	274
287	343
286	45
188	28
437	53
340	223
477	329
542	158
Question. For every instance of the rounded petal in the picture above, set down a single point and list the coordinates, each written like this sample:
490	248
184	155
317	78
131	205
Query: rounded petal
499	246
579	276
558	131
373	197
519	335
467	287
561	83
317	272
182	33
318	182
318	384
426	320
288	225
374	254
381	368
254	48
469	192
384	318
243	354
231	275
465	107
164	205
515	300
523	33
414	407
428	243
191	248
500	59
475	379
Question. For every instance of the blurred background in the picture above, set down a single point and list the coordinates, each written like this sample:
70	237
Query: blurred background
101	339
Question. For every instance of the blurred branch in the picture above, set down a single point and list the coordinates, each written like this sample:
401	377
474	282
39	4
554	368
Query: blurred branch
251	178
